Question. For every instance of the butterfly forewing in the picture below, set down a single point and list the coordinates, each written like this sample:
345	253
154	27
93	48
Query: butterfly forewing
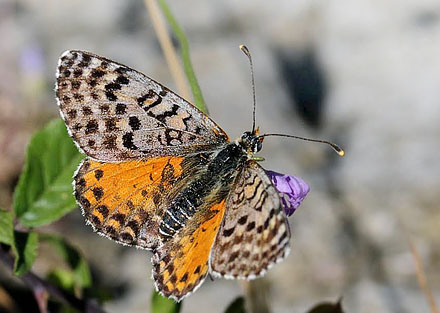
254	233
115	113
126	201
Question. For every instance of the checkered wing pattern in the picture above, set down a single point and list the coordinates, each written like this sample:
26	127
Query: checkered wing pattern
254	233
114	113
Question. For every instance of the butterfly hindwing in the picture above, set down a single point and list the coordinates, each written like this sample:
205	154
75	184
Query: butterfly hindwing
193	221
254	233
115	113
181	264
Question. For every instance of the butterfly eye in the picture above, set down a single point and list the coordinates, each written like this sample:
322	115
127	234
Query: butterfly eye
259	145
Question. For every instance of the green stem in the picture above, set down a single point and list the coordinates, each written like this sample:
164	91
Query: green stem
184	47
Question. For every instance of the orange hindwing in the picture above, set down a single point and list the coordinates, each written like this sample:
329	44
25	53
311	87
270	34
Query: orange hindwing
182	264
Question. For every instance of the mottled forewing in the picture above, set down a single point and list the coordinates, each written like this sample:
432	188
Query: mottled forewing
254	234
115	113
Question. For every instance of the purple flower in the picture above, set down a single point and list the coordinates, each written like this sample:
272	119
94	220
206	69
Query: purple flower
32	60
292	190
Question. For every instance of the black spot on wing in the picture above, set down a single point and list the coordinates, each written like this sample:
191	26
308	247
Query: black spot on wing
76	84
121	70
86	110
98	193
121	108
119	217
78	97
233	256
127	237
184	277
91	127
104	108
113	86
228	232
103	209
122	80
109	142
110	95
127	141
110	125
111	231
134	226
72	113
66	73
77	72
242	220
250	226
85	62
97	73
134	123
99	174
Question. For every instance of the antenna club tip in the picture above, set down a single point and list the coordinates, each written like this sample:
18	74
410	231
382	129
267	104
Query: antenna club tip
245	50
341	153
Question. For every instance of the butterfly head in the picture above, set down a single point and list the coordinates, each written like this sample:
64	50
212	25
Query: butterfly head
251	142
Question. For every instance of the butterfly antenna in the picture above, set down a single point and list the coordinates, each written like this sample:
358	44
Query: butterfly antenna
248	54
335	147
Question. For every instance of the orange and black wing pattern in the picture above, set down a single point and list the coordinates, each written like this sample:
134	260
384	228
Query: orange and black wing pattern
126	201
182	263
161	175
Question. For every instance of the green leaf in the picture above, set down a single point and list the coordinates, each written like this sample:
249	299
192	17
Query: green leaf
80	269
160	304
6	227
44	190
66	309
103	294
63	279
236	306
25	249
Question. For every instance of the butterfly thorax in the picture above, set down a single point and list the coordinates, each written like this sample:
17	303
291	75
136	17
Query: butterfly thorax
250	142
212	185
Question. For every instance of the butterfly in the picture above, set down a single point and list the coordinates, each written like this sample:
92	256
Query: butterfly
162	176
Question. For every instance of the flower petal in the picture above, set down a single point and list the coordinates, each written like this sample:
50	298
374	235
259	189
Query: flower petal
292	190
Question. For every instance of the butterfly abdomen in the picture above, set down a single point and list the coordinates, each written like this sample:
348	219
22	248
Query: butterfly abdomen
220	173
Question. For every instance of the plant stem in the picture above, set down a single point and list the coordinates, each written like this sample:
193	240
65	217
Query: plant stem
167	48
36	283
421	276
184	47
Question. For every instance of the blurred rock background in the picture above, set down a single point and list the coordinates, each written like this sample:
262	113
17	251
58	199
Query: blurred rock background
363	74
